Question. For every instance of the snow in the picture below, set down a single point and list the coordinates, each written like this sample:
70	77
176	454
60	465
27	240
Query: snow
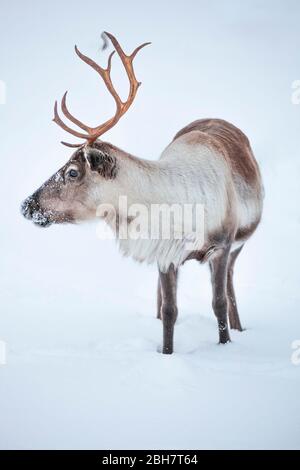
83	368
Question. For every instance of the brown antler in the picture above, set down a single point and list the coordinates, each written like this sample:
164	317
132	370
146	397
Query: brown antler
92	133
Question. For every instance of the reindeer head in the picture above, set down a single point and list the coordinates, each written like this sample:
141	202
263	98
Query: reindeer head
73	193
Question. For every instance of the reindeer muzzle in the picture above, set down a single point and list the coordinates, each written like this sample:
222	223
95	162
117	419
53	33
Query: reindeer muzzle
31	210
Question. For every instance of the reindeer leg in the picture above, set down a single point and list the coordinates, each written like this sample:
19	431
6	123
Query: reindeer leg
159	300
218	268
234	318
168	282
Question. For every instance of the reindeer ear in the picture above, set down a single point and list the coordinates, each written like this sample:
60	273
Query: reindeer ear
103	163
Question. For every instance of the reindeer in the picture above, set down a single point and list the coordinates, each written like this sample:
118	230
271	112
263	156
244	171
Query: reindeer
209	161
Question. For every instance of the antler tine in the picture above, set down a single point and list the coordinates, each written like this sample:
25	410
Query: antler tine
134	84
120	51
121	107
104	73
127	61
71	117
58	121
71	145
138	49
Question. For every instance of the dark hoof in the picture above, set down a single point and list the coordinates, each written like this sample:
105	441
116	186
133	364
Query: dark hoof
235	324
167	350
237	328
225	341
161	350
223	333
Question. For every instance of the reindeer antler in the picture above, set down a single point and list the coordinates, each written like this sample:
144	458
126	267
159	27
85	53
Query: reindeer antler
92	133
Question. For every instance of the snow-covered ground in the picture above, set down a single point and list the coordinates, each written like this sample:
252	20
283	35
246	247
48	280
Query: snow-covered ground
78	320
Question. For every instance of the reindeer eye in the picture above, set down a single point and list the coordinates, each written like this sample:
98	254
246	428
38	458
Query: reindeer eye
73	173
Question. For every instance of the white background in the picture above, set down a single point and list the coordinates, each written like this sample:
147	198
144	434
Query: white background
78	320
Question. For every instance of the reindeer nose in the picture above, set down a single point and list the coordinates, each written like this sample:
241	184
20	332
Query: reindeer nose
29	207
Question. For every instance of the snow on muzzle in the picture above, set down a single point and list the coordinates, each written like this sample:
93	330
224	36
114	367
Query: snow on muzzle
31	210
